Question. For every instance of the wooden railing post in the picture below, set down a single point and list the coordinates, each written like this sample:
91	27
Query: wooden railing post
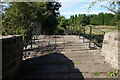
31	40
84	34
79	32
90	36
55	41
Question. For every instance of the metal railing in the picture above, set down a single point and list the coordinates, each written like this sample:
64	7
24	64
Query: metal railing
93	35
46	44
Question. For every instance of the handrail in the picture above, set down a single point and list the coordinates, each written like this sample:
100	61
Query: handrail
93	37
97	39
99	30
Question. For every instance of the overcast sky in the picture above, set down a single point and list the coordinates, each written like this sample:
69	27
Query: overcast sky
71	7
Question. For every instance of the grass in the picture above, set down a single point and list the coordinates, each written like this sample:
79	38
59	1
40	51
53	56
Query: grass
77	63
112	74
98	33
96	73
101	28
106	27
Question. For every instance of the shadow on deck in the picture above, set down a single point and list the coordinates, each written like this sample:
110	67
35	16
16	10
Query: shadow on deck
50	66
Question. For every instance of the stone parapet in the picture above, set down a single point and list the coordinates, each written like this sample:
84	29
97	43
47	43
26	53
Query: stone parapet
110	48
12	49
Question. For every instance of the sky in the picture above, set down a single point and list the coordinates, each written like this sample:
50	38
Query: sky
71	7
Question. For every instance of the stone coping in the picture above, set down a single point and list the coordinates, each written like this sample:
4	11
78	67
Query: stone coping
8	36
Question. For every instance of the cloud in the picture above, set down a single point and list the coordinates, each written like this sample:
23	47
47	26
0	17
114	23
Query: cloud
76	0
74	6
72	13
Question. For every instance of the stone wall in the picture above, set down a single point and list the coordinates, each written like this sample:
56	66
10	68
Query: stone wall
110	48
12	50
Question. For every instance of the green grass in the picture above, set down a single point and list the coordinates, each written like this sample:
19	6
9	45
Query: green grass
77	63
102	28
96	73
106	27
98	32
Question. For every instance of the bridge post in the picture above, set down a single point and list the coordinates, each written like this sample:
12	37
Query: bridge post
90	36
79	32
55	41
84	34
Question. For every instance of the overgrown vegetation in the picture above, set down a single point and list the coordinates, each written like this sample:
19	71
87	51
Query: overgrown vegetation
100	19
96	73
19	18
80	24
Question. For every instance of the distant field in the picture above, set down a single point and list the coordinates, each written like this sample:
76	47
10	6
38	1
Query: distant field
107	28
101	29
98	33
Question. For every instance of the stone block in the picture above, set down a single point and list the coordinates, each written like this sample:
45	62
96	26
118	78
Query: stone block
9	42
105	42
11	65
117	38
10	52
110	48
110	37
5	60
113	44
14	40
13	56
4	70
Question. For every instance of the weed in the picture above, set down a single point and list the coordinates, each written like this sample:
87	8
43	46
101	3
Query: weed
77	63
112	74
96	73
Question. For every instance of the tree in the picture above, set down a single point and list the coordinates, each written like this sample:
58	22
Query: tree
19	20
93	19
63	22
100	19
113	7
108	19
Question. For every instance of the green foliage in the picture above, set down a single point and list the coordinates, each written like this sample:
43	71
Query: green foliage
62	24
77	63
112	74
116	20
83	19
76	21
113	7
100	18
20	17
62	21
93	19
96	73
108	19
60	30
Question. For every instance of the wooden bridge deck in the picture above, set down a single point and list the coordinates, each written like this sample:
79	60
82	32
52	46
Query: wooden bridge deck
64	57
